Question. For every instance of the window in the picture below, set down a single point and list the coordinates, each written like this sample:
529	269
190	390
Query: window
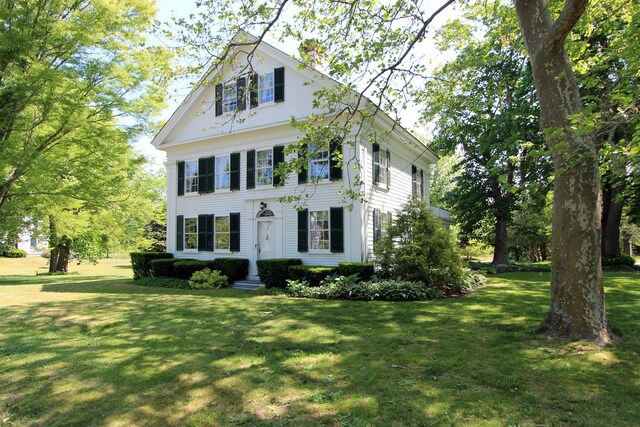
319	229
265	88
417	176
222	232
385	223
223	173
264	167
318	162
191	233
191	176
383	163
229	97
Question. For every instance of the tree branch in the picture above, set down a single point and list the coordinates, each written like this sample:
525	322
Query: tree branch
573	10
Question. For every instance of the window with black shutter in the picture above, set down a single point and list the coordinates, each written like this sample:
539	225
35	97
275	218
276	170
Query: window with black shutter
336	220
234	232
180	233
218	100
278	159
303	230
205	233
180	178
235	172
278	84
335	160
251	169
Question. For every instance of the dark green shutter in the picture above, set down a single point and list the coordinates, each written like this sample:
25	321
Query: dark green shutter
253	90
388	169
303	230
218	100
235	171
211	174
209	245
234	235
376	163
302	175
278	158
377	230
202	175
202	232
180	178
336	237
180	233
242	93
421	184
251	169
335	160
414	179
278	84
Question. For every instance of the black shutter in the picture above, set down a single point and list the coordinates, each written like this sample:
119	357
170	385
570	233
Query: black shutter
302	175
242	93
376	163
335	160
388	169
180	233
251	169
202	175
209	223
377	230
278	84
414	179
253	90
336	237
421	184
202	232
235	172
278	158
211	174
180	178
303	230
234	235
218	100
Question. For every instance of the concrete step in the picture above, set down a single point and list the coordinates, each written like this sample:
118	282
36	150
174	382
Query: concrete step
248	285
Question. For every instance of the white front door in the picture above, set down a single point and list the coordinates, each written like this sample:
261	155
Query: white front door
266	239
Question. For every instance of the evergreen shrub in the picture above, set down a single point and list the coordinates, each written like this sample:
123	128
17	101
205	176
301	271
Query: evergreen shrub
141	262
274	272
164	267
364	270
15	253
233	268
313	274
622	259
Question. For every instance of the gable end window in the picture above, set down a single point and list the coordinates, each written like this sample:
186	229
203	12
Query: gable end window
229	97
381	165
417	180
265	88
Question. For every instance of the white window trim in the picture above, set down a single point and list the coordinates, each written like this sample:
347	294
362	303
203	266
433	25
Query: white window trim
184	235
233	83
215	180
196	177
269	185
215	234
320	250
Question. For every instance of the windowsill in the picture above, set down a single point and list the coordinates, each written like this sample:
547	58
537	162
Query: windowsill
320	251
222	190
265	105
192	194
381	186
320	181
191	251
264	187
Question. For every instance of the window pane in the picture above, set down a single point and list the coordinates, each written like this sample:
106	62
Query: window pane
265	88
191	233
229	97
223	178
222	232
264	167
191	177
319	229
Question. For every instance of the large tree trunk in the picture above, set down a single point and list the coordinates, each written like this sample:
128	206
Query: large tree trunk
612	205
577	295
60	249
501	247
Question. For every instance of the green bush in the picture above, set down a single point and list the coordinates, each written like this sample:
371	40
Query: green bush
233	268
207	279
163	282
622	259
274	272
418	249
141	262
15	253
348	288
364	270
163	267
185	268
312	274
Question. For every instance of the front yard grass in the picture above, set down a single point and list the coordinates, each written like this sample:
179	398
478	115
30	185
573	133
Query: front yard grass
95	349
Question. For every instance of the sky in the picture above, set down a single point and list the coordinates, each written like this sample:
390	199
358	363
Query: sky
182	8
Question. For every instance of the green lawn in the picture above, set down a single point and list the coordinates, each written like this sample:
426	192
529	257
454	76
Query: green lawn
94	349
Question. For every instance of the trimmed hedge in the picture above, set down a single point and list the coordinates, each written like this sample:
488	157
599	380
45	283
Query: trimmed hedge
184	268
141	262
15	253
164	267
274	272
163	282
312	274
364	270
622	259
233	268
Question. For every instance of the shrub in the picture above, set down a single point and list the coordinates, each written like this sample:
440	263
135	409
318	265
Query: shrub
622	259
418	249
233	268
274	272
312	274
163	282
364	270
207	279
15	253
184	268
141	262
163	267
348	288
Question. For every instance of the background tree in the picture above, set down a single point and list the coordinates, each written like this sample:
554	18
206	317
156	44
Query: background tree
77	84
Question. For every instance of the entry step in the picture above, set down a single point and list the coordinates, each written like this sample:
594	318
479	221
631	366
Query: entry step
248	285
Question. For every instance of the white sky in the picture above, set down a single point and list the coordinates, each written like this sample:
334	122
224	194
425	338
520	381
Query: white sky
182	8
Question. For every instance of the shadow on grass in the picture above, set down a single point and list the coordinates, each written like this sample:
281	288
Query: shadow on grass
152	356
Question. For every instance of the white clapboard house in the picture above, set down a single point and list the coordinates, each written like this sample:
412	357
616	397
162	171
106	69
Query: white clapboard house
223	144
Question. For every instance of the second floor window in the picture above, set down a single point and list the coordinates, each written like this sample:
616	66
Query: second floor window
191	176
264	167
265	88
318	162
229	97
384	166
223	173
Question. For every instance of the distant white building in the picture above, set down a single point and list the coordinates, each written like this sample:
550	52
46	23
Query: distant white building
29	242
223	144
